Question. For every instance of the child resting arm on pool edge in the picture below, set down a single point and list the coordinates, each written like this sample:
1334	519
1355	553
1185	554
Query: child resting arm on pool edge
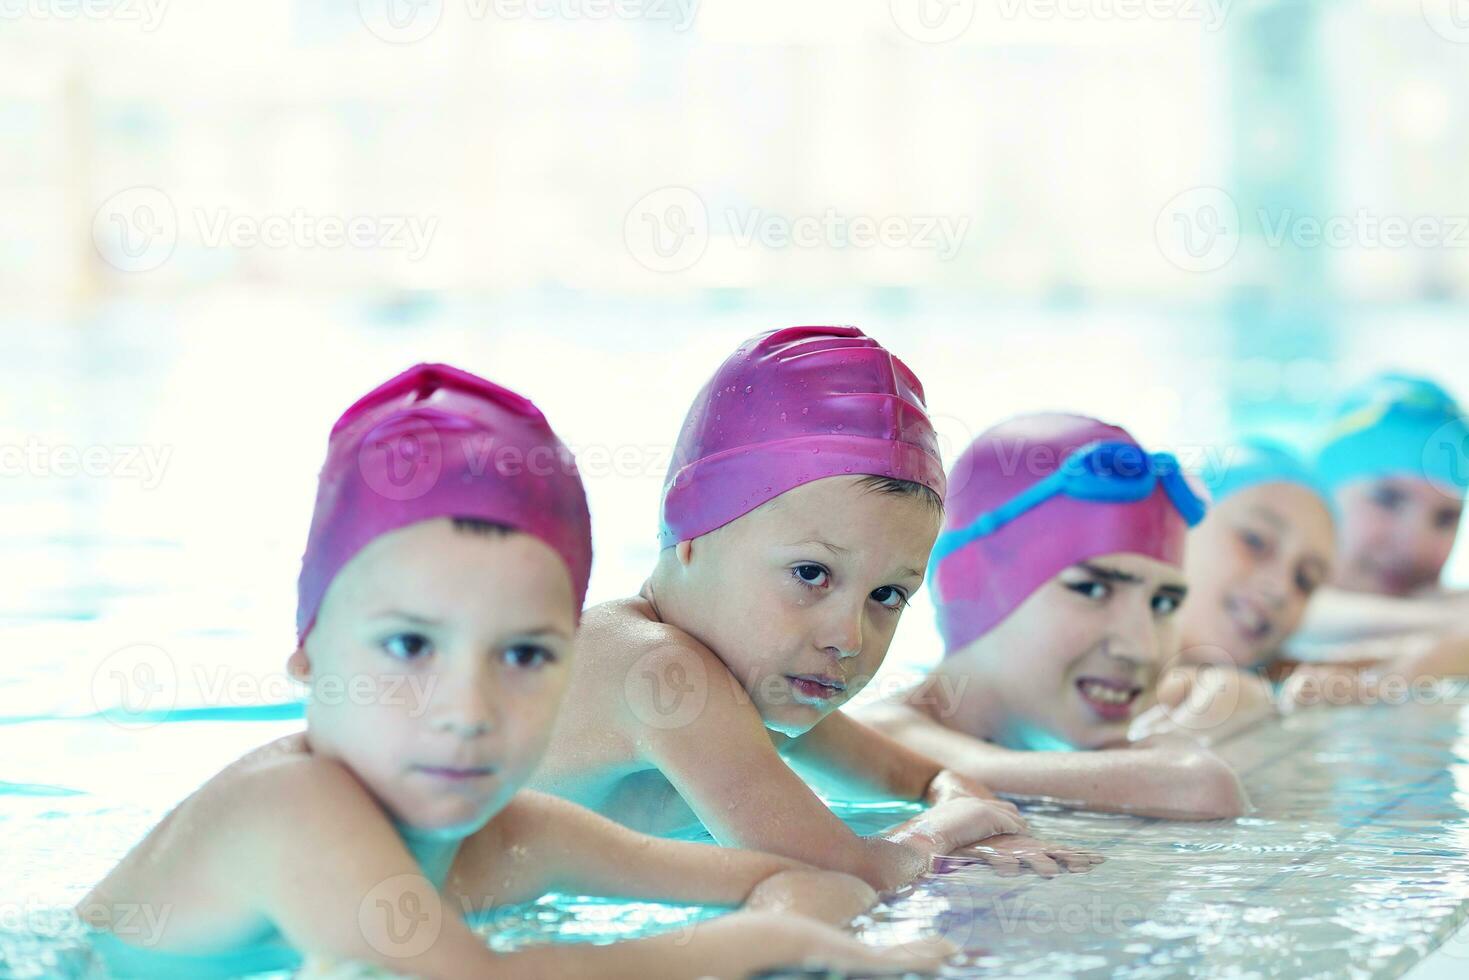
802	499
450	546
1056	582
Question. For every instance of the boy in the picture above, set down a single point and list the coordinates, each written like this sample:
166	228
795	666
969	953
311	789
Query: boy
802	500
440	591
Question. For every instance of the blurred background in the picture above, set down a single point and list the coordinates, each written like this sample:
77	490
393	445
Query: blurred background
220	223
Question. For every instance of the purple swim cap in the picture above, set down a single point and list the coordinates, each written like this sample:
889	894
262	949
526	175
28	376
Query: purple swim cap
790	407
983	581
439	442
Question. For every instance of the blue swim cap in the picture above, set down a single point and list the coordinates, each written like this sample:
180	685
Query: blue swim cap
1396	424
1254	460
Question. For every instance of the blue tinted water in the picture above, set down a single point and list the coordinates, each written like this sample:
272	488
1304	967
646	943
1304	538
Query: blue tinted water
167	588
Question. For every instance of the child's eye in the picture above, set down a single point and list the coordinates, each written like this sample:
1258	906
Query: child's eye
528	655
1445	519
1306	584
890	597
1253	541
1166	603
1092	590
407	646
1387	498
811	574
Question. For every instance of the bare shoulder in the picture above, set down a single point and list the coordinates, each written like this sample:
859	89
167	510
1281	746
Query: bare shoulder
662	676
512	858
201	857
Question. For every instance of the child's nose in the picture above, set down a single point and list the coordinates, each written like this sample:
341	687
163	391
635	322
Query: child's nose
1135	637
463	711
841	634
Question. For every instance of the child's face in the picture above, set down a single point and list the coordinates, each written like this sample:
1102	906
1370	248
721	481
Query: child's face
800	597
1252	566
449	651
1075	659
1395	535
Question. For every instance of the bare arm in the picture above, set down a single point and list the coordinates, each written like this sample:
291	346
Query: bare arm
1208	704
1336	616
1164	781
747	796
576	850
322	861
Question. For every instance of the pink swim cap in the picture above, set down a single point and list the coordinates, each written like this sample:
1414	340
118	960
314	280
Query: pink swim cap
439	442
790	407
983	581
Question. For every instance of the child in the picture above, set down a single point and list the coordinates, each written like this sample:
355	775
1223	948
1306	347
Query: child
803	497
1252	565
1056	580
1394	458
440	589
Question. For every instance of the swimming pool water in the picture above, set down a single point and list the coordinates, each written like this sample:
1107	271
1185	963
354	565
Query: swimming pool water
1356	862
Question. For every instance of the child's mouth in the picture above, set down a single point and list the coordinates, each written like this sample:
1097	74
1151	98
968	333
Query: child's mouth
456	774
1111	700
815	689
1247	617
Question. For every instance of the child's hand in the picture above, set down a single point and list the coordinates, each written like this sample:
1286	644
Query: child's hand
1011	854
752	941
964	820
826	896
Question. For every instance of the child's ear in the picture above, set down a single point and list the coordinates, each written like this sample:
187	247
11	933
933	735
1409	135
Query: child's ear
298	665
684	550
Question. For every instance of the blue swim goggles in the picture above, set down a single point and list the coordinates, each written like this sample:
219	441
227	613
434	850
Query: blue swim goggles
1102	472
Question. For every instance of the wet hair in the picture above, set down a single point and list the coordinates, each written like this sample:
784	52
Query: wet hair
903	488
476	525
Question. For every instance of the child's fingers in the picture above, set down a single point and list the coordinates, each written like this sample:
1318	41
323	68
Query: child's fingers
1078	862
1003	864
1041	863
